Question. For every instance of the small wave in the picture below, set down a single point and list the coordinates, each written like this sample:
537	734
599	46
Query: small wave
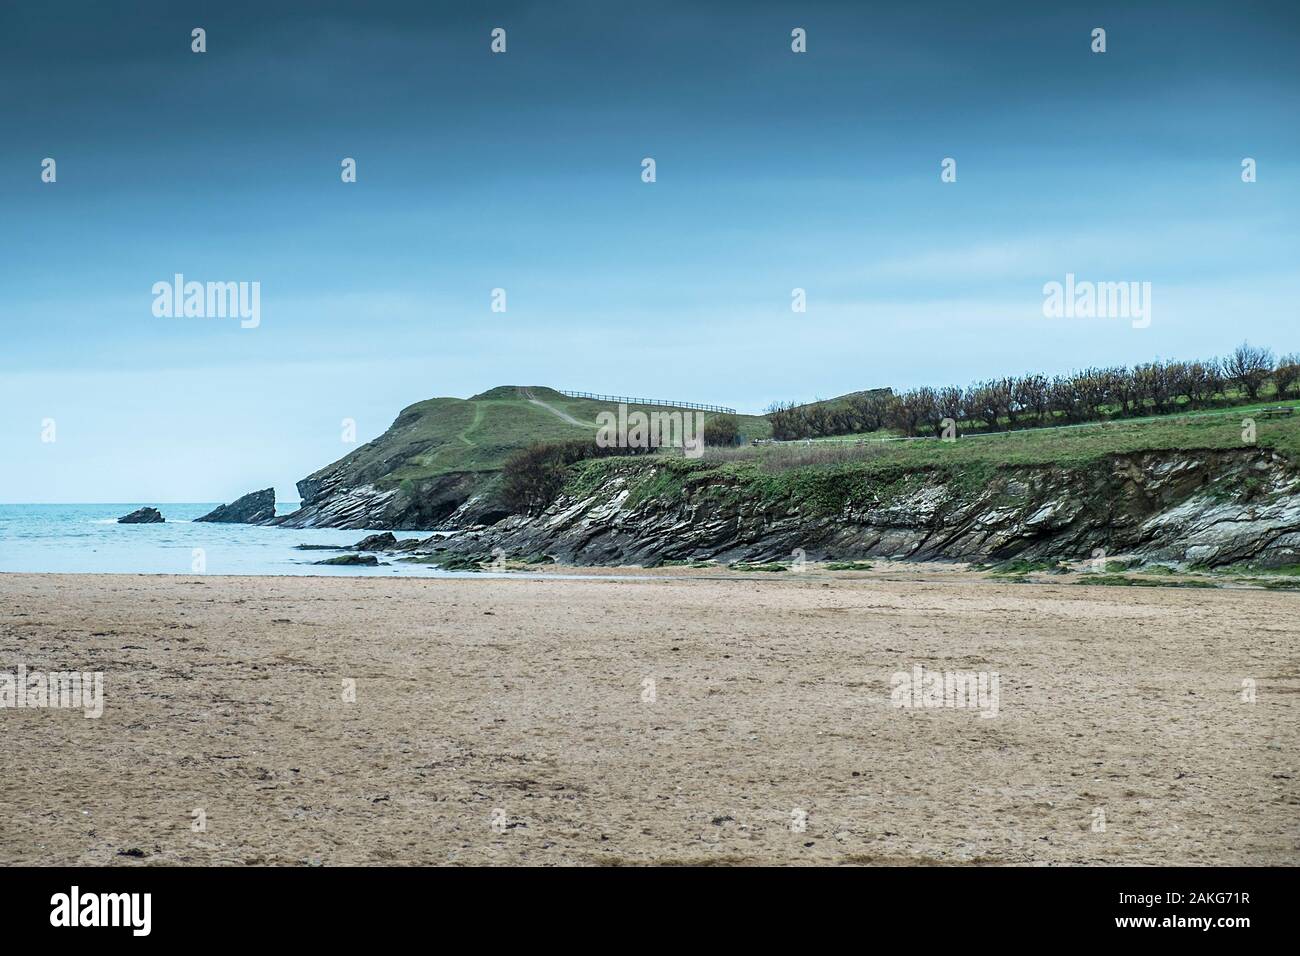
115	521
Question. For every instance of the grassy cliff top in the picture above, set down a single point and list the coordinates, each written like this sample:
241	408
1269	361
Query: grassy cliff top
443	435
1070	444
972	461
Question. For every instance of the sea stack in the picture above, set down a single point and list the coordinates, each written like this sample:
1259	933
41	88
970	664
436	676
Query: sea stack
142	516
256	507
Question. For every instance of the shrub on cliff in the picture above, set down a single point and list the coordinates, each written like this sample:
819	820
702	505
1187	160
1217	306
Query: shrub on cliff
532	478
721	431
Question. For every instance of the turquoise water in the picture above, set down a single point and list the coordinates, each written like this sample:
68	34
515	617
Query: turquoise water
86	539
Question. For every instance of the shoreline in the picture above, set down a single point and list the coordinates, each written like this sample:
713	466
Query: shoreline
226	695
898	571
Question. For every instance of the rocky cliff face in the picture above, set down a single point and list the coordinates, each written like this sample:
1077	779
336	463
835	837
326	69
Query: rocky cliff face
1206	508
333	499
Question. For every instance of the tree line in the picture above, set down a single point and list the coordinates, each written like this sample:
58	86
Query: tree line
1031	401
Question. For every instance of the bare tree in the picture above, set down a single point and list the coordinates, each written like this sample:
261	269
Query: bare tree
1064	399
1031	394
1122	389
982	403
1249	368
1286	374
1152	381
949	402
1198	383
1092	394
909	411
868	410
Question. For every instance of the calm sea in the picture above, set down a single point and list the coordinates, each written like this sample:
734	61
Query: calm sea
87	539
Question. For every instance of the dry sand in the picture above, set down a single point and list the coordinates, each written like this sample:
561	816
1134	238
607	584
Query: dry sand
475	696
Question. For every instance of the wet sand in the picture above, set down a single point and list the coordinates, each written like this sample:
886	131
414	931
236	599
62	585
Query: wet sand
503	721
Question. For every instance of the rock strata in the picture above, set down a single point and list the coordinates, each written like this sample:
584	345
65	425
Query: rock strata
1190	508
256	507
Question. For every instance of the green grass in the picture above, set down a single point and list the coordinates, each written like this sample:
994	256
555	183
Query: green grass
1044	446
449	435
824	481
445	435
742	566
849	566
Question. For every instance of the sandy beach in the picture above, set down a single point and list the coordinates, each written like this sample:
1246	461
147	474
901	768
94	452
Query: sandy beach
673	718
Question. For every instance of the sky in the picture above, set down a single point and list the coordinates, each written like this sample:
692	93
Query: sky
522	171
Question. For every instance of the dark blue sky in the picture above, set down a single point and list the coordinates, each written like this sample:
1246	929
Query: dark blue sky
522	171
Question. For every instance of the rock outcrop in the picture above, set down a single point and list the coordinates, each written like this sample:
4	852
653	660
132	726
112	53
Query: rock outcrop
256	507
1202	508
368	560
142	516
331	500
386	541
